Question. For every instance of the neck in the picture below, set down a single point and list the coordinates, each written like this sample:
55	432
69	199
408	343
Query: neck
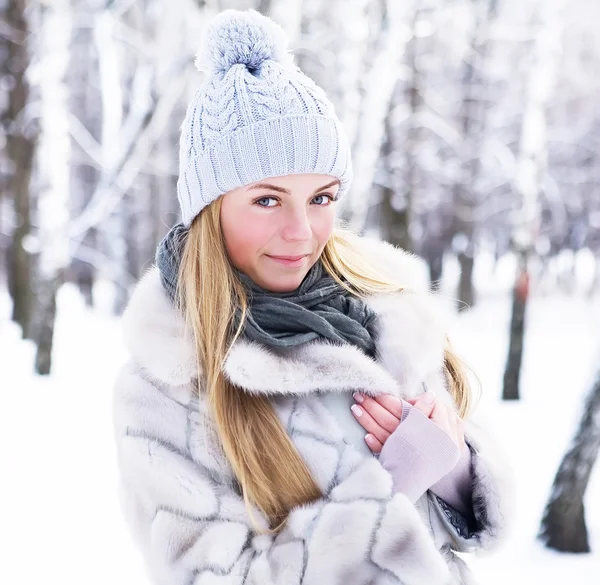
319	308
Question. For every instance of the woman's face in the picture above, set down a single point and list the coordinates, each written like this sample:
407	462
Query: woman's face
276	229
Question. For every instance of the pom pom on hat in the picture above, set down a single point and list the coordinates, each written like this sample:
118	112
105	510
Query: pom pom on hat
241	37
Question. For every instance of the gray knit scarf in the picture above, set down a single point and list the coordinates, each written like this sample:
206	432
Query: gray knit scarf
318	308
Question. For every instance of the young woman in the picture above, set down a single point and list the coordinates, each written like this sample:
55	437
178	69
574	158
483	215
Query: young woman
272	425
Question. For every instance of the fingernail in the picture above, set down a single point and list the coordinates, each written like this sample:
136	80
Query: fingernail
369	439
358	397
428	397
356	410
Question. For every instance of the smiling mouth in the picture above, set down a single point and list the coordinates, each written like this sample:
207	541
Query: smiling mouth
290	261
288	258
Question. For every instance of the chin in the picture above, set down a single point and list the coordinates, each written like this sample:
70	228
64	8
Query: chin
280	280
284	283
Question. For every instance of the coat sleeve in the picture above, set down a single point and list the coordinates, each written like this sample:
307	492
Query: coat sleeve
492	485
192	526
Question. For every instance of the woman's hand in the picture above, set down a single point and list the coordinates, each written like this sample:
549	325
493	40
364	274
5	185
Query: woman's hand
380	416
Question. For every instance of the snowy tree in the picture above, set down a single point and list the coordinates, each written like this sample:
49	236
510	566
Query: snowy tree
380	64
84	126
473	112
397	196
531	170
138	103
19	132
563	525
53	168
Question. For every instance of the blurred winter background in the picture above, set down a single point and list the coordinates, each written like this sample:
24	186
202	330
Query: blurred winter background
475	127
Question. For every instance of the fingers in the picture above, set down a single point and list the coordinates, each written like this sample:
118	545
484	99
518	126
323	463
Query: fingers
373	443
425	403
370	424
439	416
390	403
380	416
385	409
448	420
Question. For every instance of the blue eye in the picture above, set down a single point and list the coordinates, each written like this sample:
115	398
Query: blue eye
322	200
258	201
328	199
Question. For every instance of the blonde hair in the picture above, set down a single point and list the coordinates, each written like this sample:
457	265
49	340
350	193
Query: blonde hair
274	479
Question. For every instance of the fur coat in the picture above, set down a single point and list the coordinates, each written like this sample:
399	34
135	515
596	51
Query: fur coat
180	498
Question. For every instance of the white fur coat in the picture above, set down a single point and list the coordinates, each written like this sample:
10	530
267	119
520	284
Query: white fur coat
179	495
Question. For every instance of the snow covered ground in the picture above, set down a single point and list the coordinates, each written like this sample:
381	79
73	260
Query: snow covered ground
61	524
562	352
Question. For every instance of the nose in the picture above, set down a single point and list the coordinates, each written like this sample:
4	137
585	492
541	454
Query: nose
297	226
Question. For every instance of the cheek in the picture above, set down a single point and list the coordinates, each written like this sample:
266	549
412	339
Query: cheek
322	226
245	236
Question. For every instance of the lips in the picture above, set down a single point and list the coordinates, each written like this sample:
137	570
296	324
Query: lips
290	261
288	258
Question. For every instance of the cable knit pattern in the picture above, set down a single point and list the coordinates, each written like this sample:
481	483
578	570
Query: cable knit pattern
218	114
256	116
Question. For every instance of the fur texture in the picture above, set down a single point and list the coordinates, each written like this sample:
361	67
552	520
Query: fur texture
179	494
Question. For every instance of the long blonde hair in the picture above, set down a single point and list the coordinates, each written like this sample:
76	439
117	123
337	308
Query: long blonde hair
274	479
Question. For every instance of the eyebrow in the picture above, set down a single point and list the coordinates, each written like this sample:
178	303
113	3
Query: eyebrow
287	191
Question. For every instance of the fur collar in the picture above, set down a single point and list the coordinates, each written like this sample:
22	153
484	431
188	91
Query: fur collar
411	335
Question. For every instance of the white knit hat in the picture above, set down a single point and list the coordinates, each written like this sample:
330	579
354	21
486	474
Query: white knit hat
256	116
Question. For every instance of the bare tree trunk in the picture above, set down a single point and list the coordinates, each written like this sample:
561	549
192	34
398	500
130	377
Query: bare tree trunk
435	264
85	105
531	168
163	208
110	63
563	524
142	129
318	53
264	7
466	289
397	208
379	86
20	150
20	267
46	301
54	163
512	373
473	123
595	285
394	219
